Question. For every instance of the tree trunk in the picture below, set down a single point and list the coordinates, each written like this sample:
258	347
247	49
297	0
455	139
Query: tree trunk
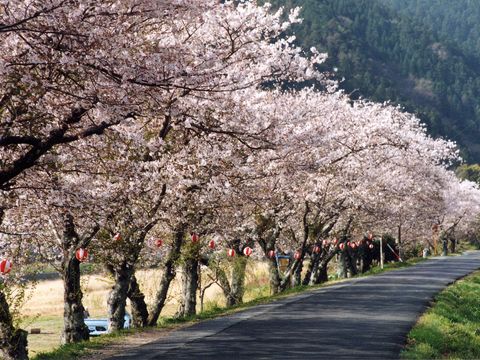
311	269
13	342
167	276
274	276
365	256
351	265
237	289
117	299
342	267
297	275
139	307
453	243
444	238
222	279
75	329
320	275
323	274
188	302
346	265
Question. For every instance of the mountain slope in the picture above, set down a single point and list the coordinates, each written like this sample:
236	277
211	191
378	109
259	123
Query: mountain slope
456	21
386	53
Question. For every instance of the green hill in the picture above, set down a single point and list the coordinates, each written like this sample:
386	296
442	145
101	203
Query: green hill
387	51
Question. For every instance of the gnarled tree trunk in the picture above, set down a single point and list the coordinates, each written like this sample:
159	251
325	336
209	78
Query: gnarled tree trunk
453	243
297	275
322	274
13	342
365	258
139	307
342	267
274	276
167	276
237	289
188	302
74	329
311	269
117	299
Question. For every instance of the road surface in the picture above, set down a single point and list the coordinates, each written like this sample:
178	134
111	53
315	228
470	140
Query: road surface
365	318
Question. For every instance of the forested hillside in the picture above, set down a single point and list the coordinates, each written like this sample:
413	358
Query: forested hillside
389	52
456	21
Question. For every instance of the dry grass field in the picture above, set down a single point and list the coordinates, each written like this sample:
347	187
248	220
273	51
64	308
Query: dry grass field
44	307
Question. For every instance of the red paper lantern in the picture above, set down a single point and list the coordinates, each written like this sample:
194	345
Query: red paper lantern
158	243
342	246
297	255
211	244
195	237
5	266
353	245
247	251
230	252
317	249
81	255
335	242
117	237
271	254
349	244
370	246
326	242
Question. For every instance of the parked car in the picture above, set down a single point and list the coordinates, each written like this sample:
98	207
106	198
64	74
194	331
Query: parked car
98	327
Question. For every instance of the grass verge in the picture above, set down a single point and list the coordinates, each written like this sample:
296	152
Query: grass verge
451	328
72	351
393	266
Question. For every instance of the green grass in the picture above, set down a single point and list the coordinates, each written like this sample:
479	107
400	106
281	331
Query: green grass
451	328
44	341
392	266
213	310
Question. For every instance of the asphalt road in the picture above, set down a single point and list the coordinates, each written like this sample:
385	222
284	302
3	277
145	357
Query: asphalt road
365	318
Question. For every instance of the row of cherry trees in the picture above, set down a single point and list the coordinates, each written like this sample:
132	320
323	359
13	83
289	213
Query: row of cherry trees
132	121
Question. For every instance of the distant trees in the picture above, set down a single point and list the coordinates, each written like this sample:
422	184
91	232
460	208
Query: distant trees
469	172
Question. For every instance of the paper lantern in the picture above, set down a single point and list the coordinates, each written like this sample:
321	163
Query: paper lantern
317	249
247	251
158	243
335	242
349	243
117	237
5	266
297	255
326	242
81	255
353	245
271	254
342	246
195	237
371	246
211	244
230	252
